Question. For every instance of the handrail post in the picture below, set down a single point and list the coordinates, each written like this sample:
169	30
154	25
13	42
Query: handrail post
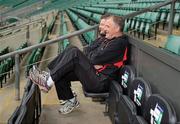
27	34
171	19
17	78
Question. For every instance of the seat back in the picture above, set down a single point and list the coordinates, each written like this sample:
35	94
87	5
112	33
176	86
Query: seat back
29	110
14	116
30	103
173	44
126	110
27	88
115	91
139	91
159	111
22	116
126	76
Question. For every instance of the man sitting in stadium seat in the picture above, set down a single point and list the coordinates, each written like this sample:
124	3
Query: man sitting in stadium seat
94	72
102	33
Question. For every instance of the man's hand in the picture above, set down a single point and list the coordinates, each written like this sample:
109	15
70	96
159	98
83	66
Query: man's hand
98	66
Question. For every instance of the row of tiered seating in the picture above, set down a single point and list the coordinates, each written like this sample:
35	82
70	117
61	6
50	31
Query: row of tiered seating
12	3
29	111
80	24
87	14
142	24
131	101
4	51
37	54
63	30
7	65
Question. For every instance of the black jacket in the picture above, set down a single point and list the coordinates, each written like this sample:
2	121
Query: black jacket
109	52
93	46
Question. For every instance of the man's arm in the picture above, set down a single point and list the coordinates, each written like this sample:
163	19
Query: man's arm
87	49
112	53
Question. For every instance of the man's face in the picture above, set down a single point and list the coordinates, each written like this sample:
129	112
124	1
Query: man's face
111	28
102	27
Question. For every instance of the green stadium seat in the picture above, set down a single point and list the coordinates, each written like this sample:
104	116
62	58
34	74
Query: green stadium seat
176	19
126	26
81	24
116	6
89	15
63	31
7	65
173	44
95	9
37	53
4	51
96	17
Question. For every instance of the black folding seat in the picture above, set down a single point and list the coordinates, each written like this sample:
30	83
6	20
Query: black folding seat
28	111
103	96
139	92
114	92
30	103
20	110
27	88
157	111
133	104
14	116
22	116
126	76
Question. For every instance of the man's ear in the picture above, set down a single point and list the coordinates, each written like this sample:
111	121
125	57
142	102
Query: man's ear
117	28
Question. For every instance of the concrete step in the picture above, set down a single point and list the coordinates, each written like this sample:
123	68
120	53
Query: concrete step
88	113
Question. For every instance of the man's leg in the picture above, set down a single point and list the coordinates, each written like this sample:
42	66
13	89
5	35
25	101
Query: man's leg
72	61
55	61
75	61
63	87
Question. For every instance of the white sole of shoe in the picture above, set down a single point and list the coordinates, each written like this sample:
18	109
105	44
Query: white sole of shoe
64	113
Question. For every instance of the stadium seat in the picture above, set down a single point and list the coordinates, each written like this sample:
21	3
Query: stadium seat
173	44
29	110
158	111
117	89
115	92
95	95
176	19
125	110
96	17
14	116
27	88
21	119
80	24
89	15
128	107
139	92
95	10
126	76
104	96
62	31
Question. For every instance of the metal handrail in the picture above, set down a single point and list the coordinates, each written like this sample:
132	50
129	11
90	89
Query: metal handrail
79	32
24	24
40	45
149	8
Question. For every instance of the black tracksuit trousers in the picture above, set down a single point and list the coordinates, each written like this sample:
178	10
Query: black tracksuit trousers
73	65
